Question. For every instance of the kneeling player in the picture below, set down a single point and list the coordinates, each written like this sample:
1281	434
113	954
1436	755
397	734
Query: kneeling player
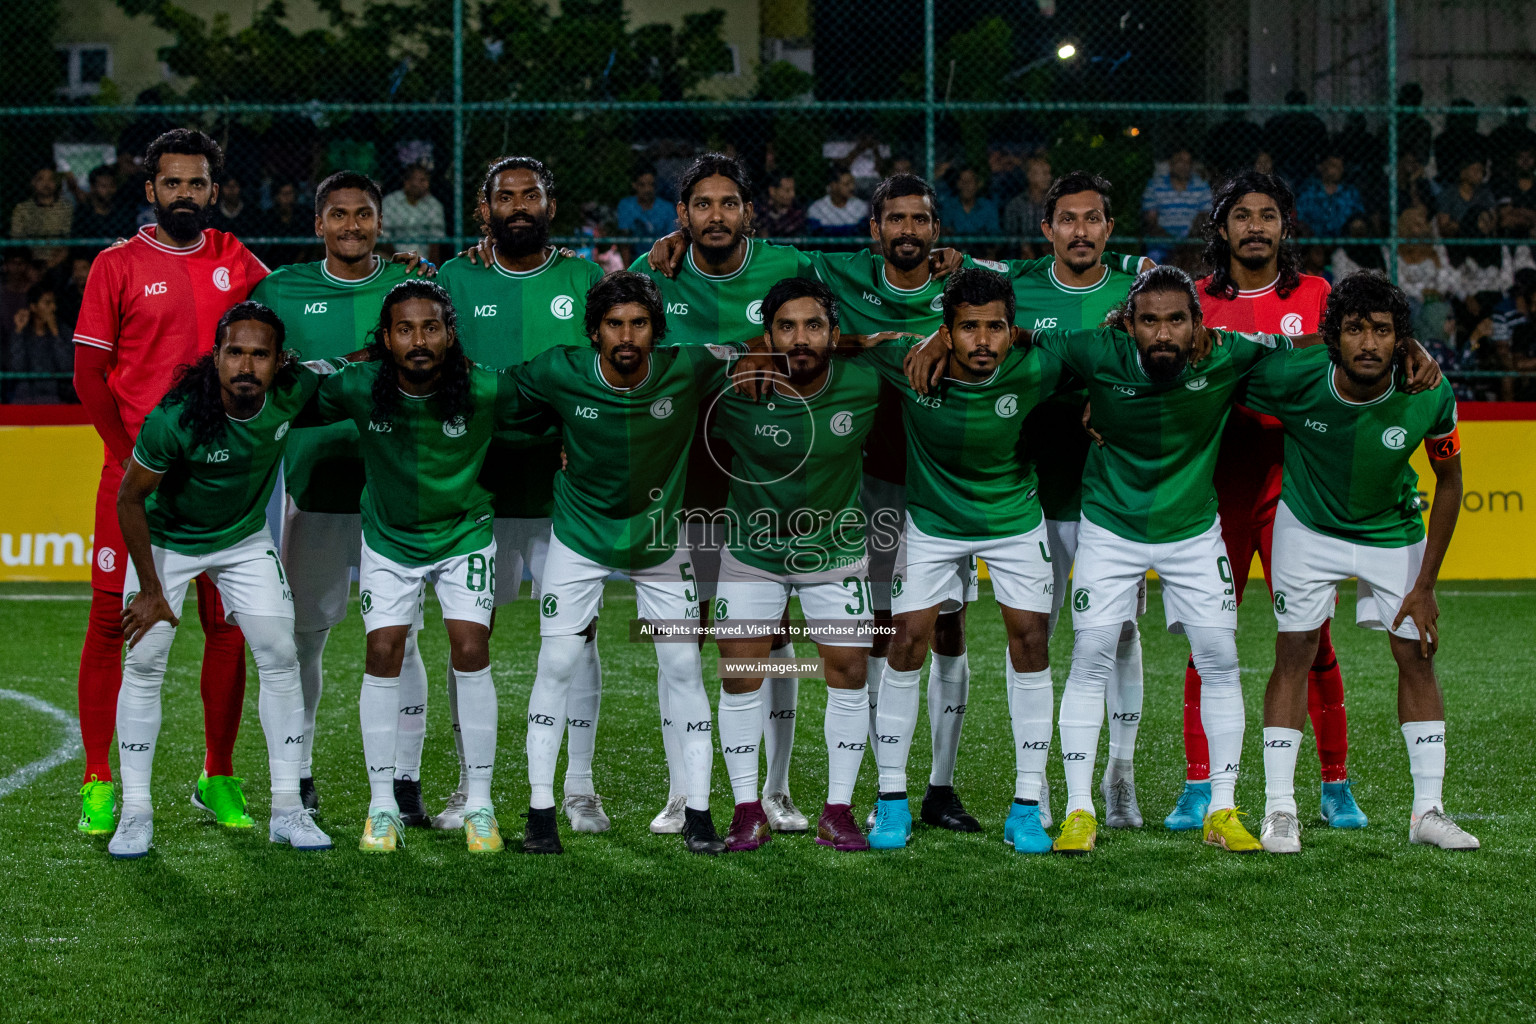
969	496
794	460
425	416
1349	507
192	502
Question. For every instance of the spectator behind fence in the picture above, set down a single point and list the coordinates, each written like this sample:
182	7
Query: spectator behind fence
778	214
20	274
1325	202
1423	268
644	214
1173	199
839	212
44	215
1413	131
102	214
966	211
1488	266
285	219
1231	144
1349	258
412	214
1462	190
1295	138
1025	212
68	280
1516	194
1459	142
36	342
1414	185
232	213
1511	136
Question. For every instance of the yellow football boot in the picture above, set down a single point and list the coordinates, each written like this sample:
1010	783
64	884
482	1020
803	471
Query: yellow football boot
1224	829
1078	834
381	833
481	832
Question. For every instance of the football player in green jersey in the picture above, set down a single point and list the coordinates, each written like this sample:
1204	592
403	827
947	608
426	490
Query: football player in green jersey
193	501
716	297
970	496
626	410
330	308
518	299
1075	288
794	459
1350	506
425	416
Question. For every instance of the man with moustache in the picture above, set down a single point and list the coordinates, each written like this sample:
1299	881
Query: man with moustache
521	298
151	306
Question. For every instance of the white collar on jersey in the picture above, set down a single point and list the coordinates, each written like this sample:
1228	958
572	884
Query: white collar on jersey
378	268
147	234
597	369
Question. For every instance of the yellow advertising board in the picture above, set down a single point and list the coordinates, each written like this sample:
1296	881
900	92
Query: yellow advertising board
50	474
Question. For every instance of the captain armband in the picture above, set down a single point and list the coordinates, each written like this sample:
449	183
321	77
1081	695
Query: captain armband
1447	447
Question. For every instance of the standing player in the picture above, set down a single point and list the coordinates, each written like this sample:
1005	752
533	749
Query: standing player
151	306
1074	289
425	416
1350	507
330	308
627	410
970	496
1255	285
794	458
526	298
717	298
193	501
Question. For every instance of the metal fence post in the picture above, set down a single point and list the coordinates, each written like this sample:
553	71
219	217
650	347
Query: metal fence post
928	112
1392	141
458	122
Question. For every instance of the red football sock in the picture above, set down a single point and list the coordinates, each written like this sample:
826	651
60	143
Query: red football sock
101	676
1325	706
223	680
1196	754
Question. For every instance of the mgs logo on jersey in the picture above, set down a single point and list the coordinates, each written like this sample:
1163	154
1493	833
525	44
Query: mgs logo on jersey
661	408
562	307
1394	438
842	423
1007	406
455	427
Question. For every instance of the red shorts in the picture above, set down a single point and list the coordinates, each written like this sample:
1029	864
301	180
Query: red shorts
1248	492
111	555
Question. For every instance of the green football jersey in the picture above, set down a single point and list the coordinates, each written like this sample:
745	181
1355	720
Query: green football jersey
618	499
424	501
1054	438
794	467
1346	463
508	317
965	480
213	495
325	317
1151	481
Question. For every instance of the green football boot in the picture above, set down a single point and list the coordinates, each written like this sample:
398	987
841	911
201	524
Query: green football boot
98	808
221	796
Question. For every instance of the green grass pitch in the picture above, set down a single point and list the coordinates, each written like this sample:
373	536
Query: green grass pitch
628	926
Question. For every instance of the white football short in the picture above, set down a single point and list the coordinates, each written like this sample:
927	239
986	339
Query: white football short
249	576
1110	571
1308	566
836	603
1061	539
319	551
520	544
572	591
940	571
392	594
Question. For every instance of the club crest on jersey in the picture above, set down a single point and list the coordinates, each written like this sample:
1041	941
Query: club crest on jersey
755	311
1291	324
561	307
549	606
1197	384
455	427
842	423
661	408
1080	600
1394	438
282	431
1279	602
106	559
1007	406
937	305
221	278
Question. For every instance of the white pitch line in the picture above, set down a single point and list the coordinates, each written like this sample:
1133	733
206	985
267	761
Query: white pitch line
65	751
1487	593
45	597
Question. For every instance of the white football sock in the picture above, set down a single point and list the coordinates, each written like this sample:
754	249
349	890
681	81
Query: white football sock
411	731
1124	695
1030	703
477	700
1221	707
378	708
741	726
138	714
779	723
1280	749
558	658
458	734
895	725
581	710
311	648
671	746
874	669
1082	711
1426	763
949	687
280	703
682	667
846	730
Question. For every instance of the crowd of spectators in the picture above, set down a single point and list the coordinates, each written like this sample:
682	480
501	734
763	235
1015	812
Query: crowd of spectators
1466	203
